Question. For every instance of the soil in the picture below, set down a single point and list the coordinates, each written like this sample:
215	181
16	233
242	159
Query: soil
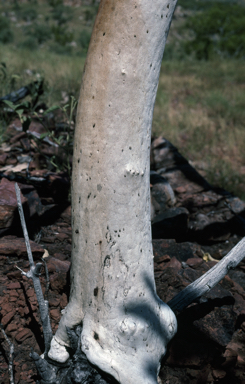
193	226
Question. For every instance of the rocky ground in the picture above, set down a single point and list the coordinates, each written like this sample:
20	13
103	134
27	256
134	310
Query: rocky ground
193	226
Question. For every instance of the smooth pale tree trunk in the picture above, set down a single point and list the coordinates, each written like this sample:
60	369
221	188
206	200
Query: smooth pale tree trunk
126	327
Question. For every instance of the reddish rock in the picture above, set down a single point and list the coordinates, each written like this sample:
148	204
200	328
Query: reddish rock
6	307
30	292
58	282
54	301
3	159
66	215
194	262
60	256
12	327
56	265
174	263
55	314
23	335
8	203
12	245
64	301
17	137
62	236
14	285
163	258
218	374
7	318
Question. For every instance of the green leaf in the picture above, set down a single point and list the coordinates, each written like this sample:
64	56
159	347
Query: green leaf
43	135
19	111
10	104
26	124
51	109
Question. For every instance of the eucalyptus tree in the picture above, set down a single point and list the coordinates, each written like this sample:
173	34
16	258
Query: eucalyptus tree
125	326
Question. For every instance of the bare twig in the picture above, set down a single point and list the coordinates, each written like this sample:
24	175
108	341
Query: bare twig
34	274
11	356
207	281
47	279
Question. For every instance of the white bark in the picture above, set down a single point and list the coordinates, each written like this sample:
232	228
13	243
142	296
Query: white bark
126	327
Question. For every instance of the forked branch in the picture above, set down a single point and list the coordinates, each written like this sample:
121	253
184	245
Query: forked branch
34	274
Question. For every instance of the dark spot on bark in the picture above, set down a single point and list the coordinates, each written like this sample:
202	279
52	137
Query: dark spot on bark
93	125
104	34
96	291
96	336
107	261
92	97
147	31
168	6
78	160
130	148
161	16
89	195
76	231
134	35
99	187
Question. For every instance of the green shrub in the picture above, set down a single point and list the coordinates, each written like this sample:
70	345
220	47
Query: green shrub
28	14
90	13
61	35
218	30
84	39
40	32
29	43
55	3
62	14
61	49
6	35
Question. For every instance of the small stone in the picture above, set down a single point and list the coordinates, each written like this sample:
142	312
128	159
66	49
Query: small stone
55	314
12	245
63	300
7	318
194	262
54	301
163	258
12	327
62	236
15	285
8	203
13	293
60	256
23	335
218	374
56	265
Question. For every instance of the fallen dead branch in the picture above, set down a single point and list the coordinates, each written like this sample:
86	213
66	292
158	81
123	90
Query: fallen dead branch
212	277
11	356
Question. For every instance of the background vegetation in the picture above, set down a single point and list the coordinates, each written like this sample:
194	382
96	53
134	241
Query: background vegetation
200	104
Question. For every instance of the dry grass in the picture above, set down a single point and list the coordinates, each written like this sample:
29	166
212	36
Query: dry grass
200	107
